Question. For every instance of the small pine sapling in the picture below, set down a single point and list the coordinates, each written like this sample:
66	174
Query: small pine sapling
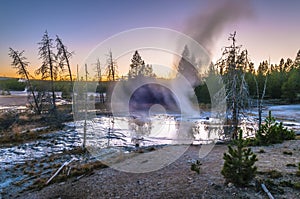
239	163
196	166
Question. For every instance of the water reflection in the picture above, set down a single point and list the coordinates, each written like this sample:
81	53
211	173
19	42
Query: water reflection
158	129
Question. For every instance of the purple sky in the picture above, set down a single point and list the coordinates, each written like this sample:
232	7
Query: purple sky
268	28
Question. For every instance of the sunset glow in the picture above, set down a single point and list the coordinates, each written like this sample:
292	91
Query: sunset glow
268	29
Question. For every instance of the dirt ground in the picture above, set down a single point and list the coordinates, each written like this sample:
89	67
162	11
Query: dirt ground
178	181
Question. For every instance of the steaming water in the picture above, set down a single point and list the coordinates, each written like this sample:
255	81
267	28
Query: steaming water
126	133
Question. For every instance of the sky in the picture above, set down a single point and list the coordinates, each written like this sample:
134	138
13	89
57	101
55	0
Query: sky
268	29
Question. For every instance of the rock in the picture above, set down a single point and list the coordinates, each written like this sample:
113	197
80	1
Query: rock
192	161
140	182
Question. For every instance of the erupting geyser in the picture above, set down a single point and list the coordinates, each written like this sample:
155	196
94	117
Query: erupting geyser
140	106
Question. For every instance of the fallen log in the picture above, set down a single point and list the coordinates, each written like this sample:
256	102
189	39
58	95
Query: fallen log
263	186
60	168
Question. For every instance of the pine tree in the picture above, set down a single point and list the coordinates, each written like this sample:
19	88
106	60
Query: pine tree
297	60
136	64
273	132
138	68
239	163
186	67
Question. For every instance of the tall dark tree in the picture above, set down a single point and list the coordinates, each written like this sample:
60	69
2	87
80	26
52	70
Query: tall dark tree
281	65
263	68
297	60
100	86
19	62
261	80
251	68
288	65
63	56
136	63
49	67
291	87
98	71
111	69
234	64
138	68
186	67
276	78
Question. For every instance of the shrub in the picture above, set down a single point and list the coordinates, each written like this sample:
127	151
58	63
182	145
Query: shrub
274	174
297	185
271	132
196	166
7	119
298	172
239	163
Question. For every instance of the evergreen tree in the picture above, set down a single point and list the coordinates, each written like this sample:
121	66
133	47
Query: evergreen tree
273	132
291	87
239	163
138	68
263	68
288	65
297	60
186	67
281	65
274	84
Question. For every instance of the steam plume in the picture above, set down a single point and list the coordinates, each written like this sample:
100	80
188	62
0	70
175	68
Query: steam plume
206	26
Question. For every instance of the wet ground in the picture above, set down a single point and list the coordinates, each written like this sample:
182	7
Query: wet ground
21	165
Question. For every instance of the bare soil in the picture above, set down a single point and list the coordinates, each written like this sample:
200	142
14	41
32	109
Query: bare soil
178	181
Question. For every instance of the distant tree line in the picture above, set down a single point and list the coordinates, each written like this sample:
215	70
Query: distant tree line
282	80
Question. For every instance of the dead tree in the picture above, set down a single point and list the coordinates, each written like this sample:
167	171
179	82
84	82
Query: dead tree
49	68
85	108
19	62
64	56
99	79
233	64
111	70
260	98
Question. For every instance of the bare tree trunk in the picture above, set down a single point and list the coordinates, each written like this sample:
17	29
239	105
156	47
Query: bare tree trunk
30	87
16	56
112	69
260	101
37	107
52	78
85	108
62	46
